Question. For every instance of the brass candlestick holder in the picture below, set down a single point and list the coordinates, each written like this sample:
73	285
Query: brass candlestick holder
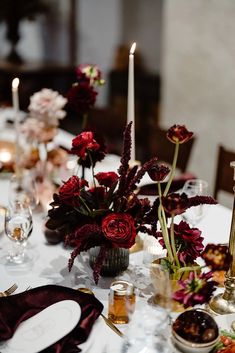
224	303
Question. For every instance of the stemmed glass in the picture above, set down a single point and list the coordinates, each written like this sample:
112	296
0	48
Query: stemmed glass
18	225
23	188
195	187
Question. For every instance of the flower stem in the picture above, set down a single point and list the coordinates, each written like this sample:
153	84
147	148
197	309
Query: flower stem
173	242
172	173
84	121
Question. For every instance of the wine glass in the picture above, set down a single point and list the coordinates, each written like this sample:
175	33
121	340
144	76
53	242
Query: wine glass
23	188
18	225
195	187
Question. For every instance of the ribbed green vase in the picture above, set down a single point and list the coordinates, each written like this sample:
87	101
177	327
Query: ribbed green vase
117	261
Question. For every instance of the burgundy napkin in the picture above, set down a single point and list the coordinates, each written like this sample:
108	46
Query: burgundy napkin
19	307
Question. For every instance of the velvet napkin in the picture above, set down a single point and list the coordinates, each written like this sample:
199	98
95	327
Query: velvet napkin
19	307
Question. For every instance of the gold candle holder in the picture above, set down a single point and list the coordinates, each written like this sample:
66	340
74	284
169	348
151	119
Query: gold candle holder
224	303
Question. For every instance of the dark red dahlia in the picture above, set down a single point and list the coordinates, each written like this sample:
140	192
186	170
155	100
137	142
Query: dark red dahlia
119	228
70	191
107	179
195	289
178	134
81	97
158	172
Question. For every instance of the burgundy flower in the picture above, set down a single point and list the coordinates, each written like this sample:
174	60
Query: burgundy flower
69	192
81	97
89	147
158	172
91	73
175	203
217	257
119	228
107	179
195	289
178	134
188	242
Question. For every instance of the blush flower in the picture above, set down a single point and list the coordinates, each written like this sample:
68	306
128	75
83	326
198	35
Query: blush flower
178	134
91	73
195	290
70	191
119	228
107	179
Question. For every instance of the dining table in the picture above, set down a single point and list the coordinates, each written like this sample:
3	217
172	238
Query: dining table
49	262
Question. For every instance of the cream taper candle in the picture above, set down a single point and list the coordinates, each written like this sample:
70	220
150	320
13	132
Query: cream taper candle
15	102
131	99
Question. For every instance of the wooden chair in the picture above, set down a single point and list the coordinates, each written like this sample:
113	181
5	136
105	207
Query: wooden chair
224	173
162	148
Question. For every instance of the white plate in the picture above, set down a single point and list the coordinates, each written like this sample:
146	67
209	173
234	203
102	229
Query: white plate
44	329
224	321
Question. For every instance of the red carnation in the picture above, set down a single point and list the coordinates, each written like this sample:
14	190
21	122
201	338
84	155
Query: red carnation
84	142
69	192
119	228
81	97
107	179
178	134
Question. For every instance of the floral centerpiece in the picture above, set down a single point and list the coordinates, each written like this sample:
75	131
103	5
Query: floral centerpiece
83	94
110	214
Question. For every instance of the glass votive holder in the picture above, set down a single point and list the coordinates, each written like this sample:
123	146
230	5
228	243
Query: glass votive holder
152	250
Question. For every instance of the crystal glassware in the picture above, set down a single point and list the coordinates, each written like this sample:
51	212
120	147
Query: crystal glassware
195	187
18	226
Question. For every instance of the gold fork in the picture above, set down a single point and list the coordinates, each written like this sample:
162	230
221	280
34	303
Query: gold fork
9	291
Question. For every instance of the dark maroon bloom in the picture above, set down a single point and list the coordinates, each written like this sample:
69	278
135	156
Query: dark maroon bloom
81	97
175	204
188	242
217	257
69	192
179	134
120	229
195	289
89	147
107	179
158	172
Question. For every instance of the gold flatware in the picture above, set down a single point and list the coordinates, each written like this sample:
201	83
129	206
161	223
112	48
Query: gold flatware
107	320
9	291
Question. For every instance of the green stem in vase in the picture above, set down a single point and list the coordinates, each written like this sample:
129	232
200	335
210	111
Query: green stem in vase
172	173
163	225
172	235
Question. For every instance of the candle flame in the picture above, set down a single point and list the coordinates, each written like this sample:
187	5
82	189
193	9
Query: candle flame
132	50
15	83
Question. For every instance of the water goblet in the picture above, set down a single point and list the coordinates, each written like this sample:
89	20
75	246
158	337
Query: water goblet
18	225
23	188
195	187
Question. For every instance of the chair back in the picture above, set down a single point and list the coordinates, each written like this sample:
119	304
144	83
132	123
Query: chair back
224	173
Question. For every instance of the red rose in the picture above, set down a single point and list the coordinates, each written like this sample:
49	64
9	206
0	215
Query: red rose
83	142
106	179
119	228
178	134
70	191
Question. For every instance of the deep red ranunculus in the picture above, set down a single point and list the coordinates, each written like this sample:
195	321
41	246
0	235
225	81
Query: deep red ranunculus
81	97
69	192
158	172
84	142
178	134
119	228
106	179
175	203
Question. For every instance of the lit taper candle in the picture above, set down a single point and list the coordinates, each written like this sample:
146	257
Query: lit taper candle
131	99
15	102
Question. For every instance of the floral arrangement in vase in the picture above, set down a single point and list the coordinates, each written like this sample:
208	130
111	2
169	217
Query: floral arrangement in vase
109	213
83	94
